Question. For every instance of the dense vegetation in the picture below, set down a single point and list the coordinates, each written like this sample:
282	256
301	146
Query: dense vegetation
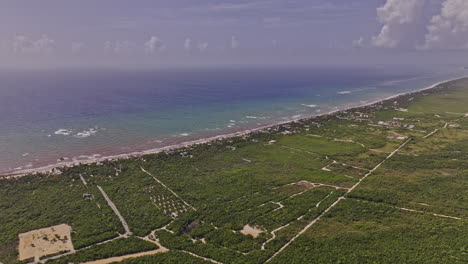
118	247
173	257
411	209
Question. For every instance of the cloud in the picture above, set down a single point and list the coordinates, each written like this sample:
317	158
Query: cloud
234	42
271	20
24	44
449	28
154	44
358	43
188	43
108	46
236	6
202	46
77	47
124	46
400	19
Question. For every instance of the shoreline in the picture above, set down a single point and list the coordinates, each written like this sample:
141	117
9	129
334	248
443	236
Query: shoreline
49	168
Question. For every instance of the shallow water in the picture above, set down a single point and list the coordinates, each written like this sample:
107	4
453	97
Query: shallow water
64	115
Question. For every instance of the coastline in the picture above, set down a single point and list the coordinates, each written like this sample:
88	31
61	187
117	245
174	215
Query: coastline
49	168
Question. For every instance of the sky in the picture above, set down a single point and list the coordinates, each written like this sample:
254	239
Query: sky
167	33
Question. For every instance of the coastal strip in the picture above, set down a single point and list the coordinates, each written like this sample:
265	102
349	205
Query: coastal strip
50	168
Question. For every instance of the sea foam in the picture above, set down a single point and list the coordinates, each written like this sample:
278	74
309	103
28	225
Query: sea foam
310	105
63	131
344	92
86	133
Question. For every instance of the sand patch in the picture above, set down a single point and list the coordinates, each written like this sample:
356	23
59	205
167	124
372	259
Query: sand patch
45	241
304	184
253	231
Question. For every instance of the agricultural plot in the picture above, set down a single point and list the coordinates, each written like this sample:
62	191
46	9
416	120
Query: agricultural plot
372	185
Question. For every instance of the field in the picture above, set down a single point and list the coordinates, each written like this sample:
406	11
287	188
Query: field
385	183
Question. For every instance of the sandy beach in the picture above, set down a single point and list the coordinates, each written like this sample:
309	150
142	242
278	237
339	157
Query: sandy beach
49	168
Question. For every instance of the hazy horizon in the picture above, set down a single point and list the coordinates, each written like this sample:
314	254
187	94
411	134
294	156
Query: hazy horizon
161	34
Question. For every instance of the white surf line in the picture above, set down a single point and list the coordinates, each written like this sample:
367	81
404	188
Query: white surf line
430	134
167	188
336	202
446	124
200	257
116	211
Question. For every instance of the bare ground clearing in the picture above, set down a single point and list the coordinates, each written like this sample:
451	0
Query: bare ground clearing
45	241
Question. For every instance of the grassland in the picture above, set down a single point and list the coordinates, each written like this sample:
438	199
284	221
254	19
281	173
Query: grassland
385	183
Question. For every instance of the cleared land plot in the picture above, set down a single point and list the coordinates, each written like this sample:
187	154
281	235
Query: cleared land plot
45	241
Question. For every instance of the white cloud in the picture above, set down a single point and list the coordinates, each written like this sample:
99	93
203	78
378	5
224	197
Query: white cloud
359	43
124	46
399	19
77	47
449	28
154	44
202	46
188	43
24	44
235	6
234	42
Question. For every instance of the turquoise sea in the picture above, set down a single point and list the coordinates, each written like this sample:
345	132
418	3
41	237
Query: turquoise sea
47	116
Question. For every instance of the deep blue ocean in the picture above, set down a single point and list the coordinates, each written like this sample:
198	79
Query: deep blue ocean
73	114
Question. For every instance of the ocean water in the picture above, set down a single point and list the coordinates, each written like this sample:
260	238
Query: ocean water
48	116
